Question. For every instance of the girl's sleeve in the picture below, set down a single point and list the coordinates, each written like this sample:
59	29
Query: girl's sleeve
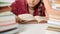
43	9
14	8
19	7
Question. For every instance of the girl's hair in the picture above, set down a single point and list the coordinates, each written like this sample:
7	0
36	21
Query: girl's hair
37	6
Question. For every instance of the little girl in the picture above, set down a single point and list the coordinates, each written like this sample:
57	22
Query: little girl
33	7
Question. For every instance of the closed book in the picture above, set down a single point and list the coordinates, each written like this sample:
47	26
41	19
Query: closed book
54	25
55	4
7	27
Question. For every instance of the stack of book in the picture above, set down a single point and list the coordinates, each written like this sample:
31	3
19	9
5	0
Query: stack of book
55	4
6	2
8	24
54	23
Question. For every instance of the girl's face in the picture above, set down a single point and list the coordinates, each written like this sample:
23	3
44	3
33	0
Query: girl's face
32	3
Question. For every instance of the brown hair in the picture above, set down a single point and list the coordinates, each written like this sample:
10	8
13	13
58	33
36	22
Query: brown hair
39	7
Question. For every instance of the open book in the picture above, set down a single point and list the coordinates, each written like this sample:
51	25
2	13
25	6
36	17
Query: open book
29	18
41	19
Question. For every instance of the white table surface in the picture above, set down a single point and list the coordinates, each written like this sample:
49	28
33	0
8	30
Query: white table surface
35	29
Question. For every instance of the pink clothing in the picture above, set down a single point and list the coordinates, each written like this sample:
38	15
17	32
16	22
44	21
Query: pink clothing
20	7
